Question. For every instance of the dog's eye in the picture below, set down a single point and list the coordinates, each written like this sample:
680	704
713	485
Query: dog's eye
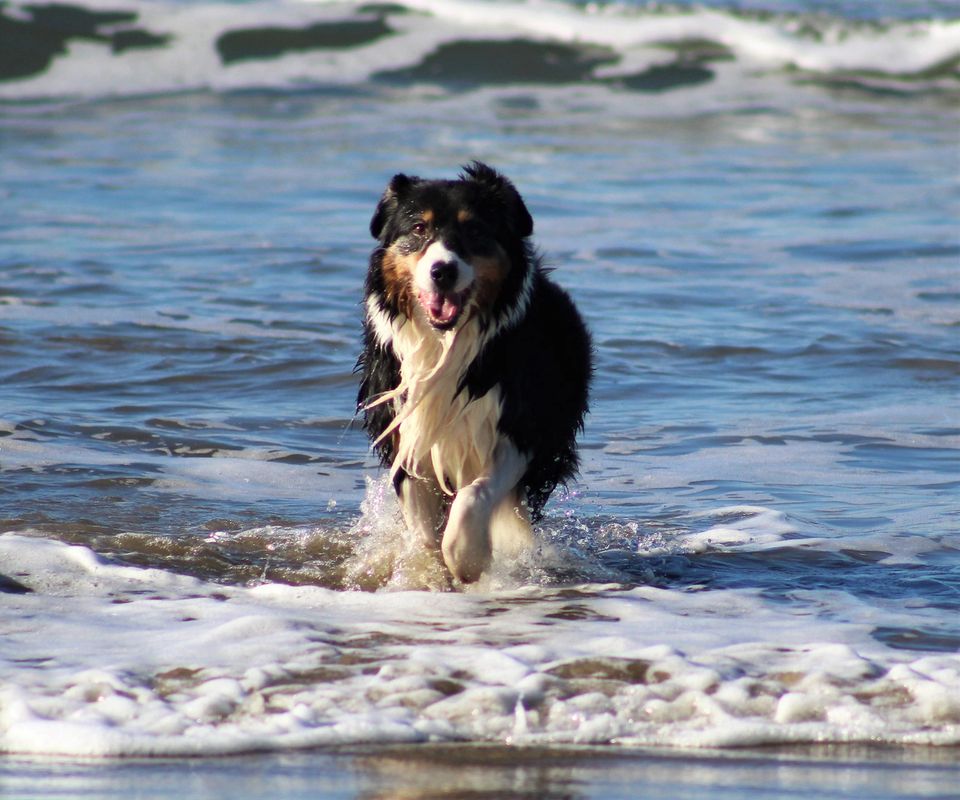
418	228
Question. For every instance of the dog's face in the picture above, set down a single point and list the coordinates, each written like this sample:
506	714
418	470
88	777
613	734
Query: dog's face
449	248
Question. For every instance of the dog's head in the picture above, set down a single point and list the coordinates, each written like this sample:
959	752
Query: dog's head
450	248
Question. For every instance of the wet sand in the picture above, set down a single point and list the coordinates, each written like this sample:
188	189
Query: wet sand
458	772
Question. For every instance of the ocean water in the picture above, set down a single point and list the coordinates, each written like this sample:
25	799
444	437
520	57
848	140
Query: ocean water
755	205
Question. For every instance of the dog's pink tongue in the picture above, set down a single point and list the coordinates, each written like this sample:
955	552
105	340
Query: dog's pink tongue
441	307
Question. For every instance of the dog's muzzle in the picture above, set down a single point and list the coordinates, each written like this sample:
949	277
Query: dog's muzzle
444	286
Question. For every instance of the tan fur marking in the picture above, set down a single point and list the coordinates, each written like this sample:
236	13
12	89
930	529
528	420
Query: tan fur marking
491	273
398	278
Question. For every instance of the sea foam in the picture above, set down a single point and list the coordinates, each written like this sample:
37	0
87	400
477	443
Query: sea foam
128	47
102	659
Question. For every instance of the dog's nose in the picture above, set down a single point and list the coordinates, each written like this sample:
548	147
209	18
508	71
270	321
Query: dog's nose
444	275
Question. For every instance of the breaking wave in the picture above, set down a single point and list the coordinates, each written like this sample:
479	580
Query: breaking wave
119	48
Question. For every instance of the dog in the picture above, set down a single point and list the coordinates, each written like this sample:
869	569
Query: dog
475	368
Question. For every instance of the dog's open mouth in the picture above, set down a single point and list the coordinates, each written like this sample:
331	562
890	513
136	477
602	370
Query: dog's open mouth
443	309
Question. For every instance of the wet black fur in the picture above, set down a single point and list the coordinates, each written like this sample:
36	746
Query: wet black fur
542	362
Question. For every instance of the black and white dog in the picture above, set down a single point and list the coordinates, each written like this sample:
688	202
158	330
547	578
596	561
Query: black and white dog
475	368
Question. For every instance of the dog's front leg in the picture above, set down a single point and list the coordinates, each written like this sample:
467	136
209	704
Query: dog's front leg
466	541
423	505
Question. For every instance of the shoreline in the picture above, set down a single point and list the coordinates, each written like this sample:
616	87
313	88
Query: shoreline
497	771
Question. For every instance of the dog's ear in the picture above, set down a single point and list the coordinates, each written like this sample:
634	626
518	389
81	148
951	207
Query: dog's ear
399	185
499	188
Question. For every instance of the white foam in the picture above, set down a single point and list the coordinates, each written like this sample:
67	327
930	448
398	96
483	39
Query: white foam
772	42
755	527
104	659
190	61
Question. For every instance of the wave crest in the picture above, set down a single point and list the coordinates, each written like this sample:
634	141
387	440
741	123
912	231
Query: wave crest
132	48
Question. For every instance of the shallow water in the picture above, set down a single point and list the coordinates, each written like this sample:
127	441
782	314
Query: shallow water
488	771
762	547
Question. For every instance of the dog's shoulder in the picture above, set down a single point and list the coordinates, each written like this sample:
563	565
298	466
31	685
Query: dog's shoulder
379	371
548	348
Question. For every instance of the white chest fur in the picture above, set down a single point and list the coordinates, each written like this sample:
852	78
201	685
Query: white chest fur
443	434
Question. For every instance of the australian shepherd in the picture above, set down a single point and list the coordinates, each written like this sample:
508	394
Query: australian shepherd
475	365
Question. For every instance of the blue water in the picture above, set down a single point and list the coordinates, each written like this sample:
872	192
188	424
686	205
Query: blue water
761	288
768	257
